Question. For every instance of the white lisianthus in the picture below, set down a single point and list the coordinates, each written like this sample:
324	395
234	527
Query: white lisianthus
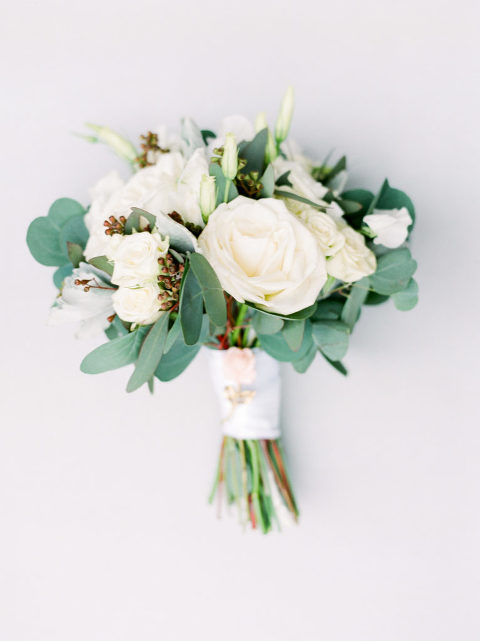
263	254
240	126
389	225
325	230
186	196
354	260
136	258
91	308
138	304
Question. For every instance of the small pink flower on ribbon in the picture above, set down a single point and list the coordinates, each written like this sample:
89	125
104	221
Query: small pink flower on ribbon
239	365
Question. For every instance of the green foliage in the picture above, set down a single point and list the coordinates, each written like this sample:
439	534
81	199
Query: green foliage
150	354
376	299
338	365
293	334
176	360
135	223
191	307
363	198
277	346
268	182
102	263
75	253
116	328
74	231
44	236
325	174
174	332
355	300
221	184
117	353
407	298
283	180
331	337
207	134
254	152
394	270
289	194
303	363
390	198
266	323
328	309
212	291
61	273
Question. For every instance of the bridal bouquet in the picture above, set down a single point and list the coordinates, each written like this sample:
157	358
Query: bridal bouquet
236	241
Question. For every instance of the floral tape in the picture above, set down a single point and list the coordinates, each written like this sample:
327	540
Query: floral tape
247	383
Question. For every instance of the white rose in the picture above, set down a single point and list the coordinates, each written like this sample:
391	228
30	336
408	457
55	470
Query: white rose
138	304
90	308
354	260
325	230
390	226
111	197
136	258
263	254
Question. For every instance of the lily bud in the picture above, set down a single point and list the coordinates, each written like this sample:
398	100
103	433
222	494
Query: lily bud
230	157
260	122
285	116
271	149
208	196
117	143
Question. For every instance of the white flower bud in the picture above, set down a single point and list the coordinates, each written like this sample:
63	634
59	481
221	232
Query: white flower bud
230	157
285	116
117	143
260	121
208	196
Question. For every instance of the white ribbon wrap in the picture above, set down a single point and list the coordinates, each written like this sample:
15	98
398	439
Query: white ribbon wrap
256	415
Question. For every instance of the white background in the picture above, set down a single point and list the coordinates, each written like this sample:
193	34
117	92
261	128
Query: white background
105	534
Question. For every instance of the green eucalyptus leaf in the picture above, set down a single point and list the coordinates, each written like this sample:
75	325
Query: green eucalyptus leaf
75	253
266	323
191	308
331	337
394	270
302	364
102	263
276	346
173	334
74	231
254	152
354	302
150	354
391	198
135	222
328	309
268	182
43	240
361	196
63	209
349	206
212	291
339	366
117	353
176	360
116	329
376	299
302	314
61	273
407	298
293	334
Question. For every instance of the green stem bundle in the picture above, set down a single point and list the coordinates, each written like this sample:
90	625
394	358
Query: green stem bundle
253	474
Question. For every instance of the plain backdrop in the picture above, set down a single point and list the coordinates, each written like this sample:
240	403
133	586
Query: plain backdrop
105	532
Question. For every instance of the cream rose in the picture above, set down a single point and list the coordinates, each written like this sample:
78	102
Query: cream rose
136	258
263	254
138	304
325	230
354	260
